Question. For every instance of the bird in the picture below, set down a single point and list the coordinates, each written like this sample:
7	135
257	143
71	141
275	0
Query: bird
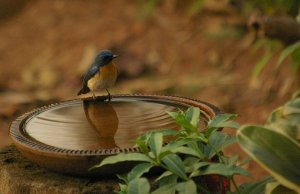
102	74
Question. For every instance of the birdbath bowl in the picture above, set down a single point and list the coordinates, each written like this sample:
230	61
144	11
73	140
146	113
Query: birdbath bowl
72	136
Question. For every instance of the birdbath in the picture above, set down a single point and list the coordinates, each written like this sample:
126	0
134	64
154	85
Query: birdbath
62	141
72	136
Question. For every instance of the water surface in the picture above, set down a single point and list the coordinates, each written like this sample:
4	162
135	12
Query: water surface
94	124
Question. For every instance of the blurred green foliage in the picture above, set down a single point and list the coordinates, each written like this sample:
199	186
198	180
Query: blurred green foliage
269	47
271	7
294	52
147	7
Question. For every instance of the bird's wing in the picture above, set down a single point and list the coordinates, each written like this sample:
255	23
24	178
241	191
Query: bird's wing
92	71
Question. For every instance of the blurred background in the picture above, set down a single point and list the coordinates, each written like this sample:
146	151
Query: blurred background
242	56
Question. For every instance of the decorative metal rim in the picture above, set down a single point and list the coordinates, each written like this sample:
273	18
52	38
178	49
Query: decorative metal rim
20	140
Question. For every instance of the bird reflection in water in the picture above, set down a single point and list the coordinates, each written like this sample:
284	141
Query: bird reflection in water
103	118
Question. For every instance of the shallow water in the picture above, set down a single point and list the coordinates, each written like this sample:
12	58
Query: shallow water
89	124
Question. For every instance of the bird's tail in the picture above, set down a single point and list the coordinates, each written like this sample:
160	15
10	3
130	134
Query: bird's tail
83	90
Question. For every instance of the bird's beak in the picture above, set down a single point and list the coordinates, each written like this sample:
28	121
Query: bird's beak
115	56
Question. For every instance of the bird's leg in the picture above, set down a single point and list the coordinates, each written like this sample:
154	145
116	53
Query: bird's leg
109	96
94	97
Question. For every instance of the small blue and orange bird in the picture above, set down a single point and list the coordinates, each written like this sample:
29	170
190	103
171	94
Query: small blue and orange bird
101	75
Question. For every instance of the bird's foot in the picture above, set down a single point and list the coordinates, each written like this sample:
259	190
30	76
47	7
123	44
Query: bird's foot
101	98
94	97
109	97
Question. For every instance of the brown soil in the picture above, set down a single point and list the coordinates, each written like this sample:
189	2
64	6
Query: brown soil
19	175
47	45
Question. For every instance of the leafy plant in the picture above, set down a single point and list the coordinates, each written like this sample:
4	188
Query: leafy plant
270	47
276	146
277	7
191	163
293	51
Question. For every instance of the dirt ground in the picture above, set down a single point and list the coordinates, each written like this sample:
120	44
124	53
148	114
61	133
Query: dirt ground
46	46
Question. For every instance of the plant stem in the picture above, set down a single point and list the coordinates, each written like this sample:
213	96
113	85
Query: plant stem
218	153
196	147
202	189
235	186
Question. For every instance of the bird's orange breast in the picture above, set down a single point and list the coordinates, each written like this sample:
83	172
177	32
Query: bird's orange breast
108	72
105	78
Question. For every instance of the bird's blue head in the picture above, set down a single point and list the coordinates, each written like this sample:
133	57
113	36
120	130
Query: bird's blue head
104	57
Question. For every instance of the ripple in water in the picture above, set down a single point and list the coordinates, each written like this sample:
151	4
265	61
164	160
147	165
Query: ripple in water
84	125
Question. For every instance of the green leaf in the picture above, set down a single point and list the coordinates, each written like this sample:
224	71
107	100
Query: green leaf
174	115
155	142
285	127
201	164
187	187
142	145
166	180
298	18
296	60
163	175
180	119
164	153
190	163
286	119
206	149
286	124
221	169
209	130
296	94
123	178
288	50
123	189
194	168
277	188
277	153
275	115
139	186
224	120
166	132
291	107
187	151
232	160
192	115
197	136
143	141
259	43
122	157
139	170
178	143
220	140
245	161
166	189
257	187
175	165
197	146
261	63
